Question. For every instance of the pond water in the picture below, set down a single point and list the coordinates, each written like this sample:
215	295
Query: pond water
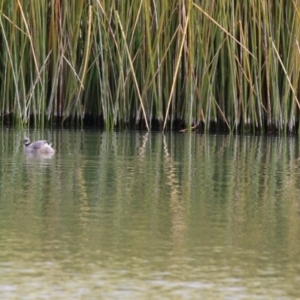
132	215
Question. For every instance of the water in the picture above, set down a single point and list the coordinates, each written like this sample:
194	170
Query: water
145	216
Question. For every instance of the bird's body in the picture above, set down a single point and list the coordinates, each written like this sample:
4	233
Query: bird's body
41	146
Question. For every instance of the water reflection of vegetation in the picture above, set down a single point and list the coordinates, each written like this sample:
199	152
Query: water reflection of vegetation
155	164
241	183
185	203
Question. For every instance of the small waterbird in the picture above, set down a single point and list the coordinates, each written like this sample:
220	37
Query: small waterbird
41	146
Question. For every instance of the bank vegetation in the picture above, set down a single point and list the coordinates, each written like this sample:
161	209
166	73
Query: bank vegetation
206	65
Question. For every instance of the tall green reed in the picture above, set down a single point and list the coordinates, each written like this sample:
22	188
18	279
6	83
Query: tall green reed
227	65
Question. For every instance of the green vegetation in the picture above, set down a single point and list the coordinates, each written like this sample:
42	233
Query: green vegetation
228	65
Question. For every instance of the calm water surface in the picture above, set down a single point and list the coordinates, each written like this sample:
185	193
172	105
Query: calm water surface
145	216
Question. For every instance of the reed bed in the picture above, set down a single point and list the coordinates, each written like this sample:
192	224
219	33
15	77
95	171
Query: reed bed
226	65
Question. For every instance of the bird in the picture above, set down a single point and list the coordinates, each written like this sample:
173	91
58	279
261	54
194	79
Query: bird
40	146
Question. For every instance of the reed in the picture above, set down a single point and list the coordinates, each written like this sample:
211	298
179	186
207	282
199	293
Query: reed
225	65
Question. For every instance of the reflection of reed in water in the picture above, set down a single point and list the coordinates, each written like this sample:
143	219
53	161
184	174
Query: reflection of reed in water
142	148
171	171
177	202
